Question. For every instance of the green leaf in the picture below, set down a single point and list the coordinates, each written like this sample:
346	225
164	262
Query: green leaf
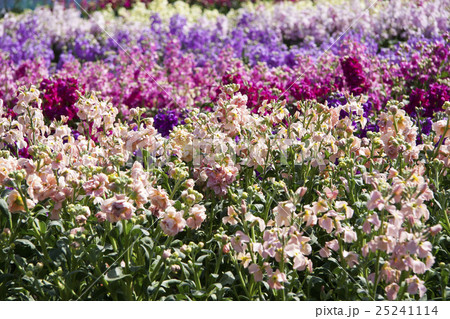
57	256
56	224
227	278
182	297
147	241
201	259
115	274
4	208
261	197
167	283
138	227
118	228
198	293
259	207
24	247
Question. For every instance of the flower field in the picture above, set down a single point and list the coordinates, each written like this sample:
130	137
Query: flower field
226	150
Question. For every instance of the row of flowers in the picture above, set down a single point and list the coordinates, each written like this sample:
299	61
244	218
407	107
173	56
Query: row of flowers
278	200
260	32
416	74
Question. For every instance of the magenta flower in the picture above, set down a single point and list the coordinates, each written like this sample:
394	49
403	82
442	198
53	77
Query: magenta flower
59	96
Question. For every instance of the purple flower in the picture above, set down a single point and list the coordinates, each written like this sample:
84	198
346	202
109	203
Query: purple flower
164	122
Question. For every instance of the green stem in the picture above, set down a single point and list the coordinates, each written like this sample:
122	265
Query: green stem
241	278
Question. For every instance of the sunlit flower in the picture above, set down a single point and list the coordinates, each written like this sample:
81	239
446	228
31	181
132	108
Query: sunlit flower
172	221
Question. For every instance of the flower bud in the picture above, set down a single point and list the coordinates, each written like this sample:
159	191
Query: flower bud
393	109
190	199
175	268
6	232
434	230
166	254
186	249
226	249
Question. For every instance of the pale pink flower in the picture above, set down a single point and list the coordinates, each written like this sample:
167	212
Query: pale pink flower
283	213
300	261
255	220
333	244
301	242
232	217
326	223
257	248
239	240
366	227
392	291
276	279
415	265
349	235
374	220
309	217
320	206
101	217
351	258
117	208
220	177
172	221
27	164
16	204
397	191
439	127
76	231
7	165
343	206
416	286
429	261
365	250
226	248
331	194
389	274
301	191
383	243
376	201
159	198
81	219
245	259
413	245
392	173
197	216
257	271
324	252
140	194
96	186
